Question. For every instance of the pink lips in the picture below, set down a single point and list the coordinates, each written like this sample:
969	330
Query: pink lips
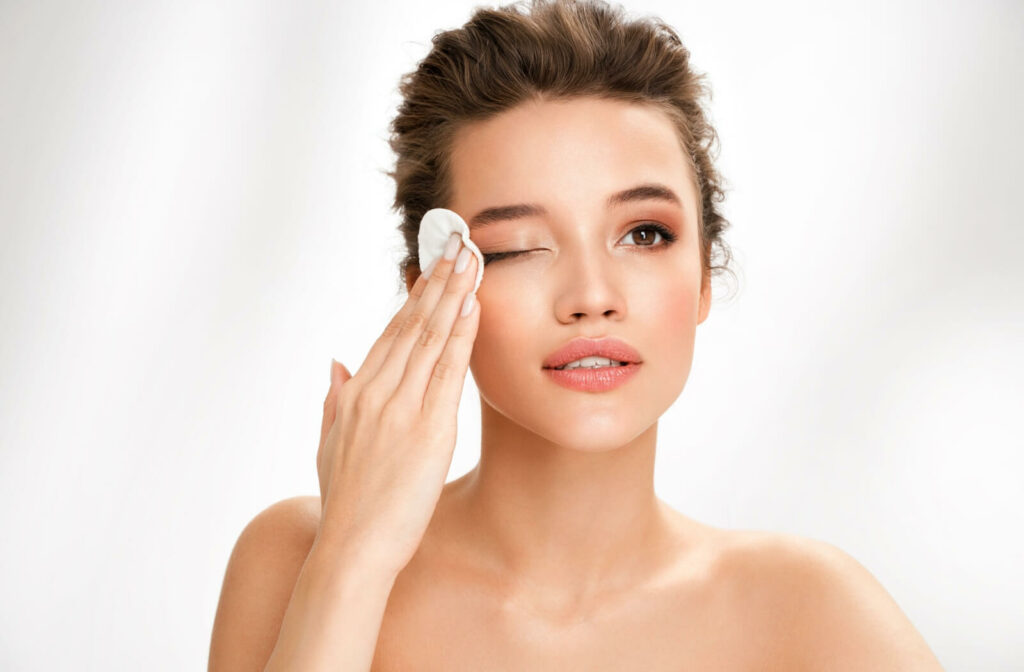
593	379
612	348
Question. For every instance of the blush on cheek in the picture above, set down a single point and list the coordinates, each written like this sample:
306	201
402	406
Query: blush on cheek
679	304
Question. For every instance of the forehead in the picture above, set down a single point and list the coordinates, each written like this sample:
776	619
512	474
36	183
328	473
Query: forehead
576	151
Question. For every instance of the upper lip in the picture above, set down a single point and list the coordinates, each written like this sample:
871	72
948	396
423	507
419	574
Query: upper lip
578	348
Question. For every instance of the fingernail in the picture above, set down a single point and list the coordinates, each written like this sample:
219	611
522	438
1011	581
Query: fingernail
463	261
467	304
333	362
452	247
430	267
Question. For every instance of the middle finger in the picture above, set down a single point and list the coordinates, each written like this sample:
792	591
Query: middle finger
419	319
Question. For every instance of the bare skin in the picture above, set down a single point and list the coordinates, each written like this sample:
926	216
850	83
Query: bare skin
449	610
712	599
554	552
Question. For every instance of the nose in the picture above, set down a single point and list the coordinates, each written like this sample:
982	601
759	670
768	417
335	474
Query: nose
590	289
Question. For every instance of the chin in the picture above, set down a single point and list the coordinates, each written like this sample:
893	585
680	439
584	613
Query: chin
583	429
595	433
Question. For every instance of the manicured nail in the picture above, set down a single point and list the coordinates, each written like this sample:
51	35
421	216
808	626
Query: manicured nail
430	267
452	247
463	261
467	304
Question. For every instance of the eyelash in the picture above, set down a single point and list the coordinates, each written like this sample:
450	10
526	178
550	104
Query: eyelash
667	236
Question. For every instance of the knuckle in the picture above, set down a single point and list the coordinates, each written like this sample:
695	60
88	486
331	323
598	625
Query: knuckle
443	371
394	328
369	401
429	337
415	321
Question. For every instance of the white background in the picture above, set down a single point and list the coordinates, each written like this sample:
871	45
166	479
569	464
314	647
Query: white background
195	219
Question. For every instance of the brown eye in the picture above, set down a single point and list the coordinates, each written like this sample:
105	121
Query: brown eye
648	237
651	230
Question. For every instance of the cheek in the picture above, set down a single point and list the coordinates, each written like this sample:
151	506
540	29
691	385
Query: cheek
671	311
672	305
507	330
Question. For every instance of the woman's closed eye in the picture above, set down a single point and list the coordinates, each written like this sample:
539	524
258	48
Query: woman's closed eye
666	234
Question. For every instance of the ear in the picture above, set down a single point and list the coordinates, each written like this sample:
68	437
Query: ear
705	300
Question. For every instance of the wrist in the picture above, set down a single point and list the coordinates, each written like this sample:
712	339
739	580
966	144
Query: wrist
335	563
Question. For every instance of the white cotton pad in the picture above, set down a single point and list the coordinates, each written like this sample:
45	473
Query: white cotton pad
436	228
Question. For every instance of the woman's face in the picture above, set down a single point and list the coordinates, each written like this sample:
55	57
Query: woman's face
588	269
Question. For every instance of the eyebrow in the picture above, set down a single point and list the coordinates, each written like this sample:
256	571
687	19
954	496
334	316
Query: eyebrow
642	192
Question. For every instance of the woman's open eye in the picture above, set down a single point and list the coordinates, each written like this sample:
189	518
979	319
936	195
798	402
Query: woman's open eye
666	234
663	231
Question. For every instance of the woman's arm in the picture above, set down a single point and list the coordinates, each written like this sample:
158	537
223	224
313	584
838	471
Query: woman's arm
386	442
335	614
283	606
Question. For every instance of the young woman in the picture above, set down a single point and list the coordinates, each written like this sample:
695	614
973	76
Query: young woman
574	143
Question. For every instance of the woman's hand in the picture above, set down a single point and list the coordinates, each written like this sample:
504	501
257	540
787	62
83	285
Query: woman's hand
388	432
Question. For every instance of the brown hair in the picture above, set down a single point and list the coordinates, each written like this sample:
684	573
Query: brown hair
560	49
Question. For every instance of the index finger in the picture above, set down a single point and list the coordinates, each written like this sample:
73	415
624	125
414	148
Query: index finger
379	350
444	391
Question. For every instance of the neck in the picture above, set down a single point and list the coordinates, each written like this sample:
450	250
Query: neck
561	522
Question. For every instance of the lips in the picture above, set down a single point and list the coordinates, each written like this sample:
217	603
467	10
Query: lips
612	348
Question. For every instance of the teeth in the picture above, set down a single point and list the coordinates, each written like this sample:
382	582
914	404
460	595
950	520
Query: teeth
590	362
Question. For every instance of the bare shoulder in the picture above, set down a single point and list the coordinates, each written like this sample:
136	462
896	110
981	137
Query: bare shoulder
824	608
258	583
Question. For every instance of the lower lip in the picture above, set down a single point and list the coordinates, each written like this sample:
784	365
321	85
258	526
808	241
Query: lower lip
593	380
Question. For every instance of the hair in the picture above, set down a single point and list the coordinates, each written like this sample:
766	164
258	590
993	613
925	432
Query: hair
558	50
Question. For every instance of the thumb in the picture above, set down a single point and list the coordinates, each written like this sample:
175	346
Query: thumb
339	374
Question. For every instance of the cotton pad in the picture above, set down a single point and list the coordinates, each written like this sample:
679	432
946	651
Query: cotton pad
436	227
